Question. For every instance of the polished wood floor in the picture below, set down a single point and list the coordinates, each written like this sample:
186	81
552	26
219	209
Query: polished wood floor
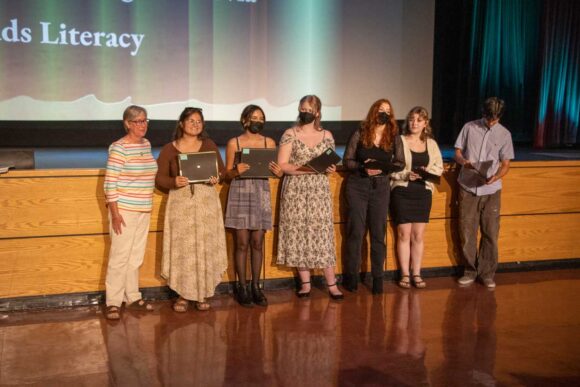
524	333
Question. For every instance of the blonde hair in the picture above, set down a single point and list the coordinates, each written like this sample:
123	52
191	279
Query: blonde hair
314	101
422	113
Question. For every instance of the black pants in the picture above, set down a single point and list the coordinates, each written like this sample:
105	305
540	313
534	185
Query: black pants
368	203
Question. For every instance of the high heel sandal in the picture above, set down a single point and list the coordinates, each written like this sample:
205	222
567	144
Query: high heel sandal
303	294
336	297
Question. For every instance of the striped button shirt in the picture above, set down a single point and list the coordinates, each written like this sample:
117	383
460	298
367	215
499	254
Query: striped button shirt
130	175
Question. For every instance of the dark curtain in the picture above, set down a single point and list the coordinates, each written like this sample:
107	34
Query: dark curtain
519	50
558	114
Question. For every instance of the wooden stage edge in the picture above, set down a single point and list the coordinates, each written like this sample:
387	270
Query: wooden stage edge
54	234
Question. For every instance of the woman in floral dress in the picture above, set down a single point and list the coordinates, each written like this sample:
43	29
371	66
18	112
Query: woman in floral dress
306	236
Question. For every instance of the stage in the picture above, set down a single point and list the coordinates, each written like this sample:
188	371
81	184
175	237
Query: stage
54	222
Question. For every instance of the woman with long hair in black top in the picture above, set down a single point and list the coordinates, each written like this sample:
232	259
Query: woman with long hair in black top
372	153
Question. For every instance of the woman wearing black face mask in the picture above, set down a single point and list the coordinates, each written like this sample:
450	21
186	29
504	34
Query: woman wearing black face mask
372	153
306	236
249	209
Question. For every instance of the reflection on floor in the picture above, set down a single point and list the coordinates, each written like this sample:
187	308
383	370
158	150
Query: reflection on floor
526	332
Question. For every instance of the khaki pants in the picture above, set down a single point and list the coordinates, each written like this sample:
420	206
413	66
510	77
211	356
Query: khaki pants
479	212
125	258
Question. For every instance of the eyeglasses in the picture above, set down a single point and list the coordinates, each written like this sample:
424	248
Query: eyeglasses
139	122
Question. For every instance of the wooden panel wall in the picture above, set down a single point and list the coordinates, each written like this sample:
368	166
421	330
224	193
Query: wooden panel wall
54	232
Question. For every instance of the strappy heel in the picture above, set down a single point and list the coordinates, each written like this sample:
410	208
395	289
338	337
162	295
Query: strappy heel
336	297
303	294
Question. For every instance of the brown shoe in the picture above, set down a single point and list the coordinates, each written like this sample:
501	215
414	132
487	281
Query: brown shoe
112	312
202	306
141	305
181	305
418	282
404	282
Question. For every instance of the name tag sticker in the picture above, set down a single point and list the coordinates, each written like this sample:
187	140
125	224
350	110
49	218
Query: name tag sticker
246	151
329	151
182	157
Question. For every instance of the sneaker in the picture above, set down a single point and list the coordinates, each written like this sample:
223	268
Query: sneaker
465	280
489	283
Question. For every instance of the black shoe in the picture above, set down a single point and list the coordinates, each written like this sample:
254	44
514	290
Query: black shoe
304	294
336	297
258	297
350	283
378	285
244	296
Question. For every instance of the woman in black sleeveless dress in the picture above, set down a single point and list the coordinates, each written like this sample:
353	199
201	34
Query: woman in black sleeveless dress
249	208
411	193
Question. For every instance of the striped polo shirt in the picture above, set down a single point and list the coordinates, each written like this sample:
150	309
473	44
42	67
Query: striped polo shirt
130	175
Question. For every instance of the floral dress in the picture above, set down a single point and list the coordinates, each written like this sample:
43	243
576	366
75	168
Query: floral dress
306	236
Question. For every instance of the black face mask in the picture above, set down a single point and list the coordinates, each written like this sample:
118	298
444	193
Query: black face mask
383	118
256	126
306	118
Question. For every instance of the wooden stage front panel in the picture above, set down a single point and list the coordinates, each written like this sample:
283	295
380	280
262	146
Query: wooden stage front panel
54	227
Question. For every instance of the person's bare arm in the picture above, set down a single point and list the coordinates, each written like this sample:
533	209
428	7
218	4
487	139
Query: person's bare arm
459	159
501	172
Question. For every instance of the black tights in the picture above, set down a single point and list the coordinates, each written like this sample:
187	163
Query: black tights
253	239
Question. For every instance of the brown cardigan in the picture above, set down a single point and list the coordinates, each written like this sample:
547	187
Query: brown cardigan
169	168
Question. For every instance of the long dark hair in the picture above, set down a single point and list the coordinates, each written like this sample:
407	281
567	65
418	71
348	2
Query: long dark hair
368	126
185	114
247	114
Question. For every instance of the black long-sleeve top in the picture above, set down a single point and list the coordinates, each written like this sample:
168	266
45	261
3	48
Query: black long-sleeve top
356	154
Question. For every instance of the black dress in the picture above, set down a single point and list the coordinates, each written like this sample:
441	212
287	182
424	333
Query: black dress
412	204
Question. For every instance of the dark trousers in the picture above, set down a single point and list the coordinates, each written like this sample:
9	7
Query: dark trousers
368	203
479	212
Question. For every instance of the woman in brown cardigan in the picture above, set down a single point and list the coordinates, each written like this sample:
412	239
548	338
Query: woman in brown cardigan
194	244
